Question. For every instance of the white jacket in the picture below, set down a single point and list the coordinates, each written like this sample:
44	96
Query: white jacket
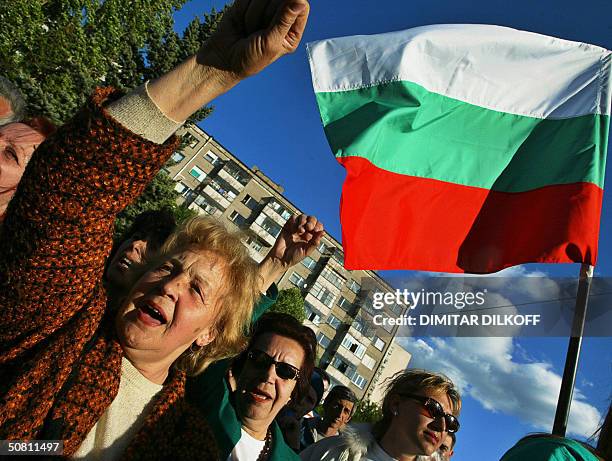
356	443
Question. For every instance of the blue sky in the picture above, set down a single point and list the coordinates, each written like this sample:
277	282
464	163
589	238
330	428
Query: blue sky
271	121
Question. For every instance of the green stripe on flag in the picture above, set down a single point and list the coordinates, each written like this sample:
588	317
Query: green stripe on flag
403	128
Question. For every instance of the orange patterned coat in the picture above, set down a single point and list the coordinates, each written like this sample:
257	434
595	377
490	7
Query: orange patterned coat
60	362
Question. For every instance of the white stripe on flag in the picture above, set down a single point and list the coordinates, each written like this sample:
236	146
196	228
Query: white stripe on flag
494	67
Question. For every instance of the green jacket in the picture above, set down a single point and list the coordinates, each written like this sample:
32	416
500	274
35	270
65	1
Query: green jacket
210	392
548	449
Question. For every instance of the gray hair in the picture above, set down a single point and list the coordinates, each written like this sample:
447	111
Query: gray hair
10	92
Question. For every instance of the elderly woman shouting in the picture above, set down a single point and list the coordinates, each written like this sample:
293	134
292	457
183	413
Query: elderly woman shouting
110	385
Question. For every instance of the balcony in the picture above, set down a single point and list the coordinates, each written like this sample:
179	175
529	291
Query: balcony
316	303
254	254
329	285
231	179
263	233
277	212
206	209
217	196
337	266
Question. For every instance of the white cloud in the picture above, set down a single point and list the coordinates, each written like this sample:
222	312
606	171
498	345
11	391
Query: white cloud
496	371
487	370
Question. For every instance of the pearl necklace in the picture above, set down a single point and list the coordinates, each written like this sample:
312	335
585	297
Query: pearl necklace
265	451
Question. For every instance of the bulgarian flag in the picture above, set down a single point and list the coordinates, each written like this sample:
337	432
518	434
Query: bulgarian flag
468	148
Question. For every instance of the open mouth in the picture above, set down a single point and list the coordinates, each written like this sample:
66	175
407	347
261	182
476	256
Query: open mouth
431	437
152	314
259	396
124	264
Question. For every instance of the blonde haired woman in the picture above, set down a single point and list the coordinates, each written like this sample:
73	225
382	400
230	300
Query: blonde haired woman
105	381
418	408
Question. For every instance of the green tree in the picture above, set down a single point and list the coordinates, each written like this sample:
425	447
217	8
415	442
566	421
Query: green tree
57	51
290	301
367	412
158	194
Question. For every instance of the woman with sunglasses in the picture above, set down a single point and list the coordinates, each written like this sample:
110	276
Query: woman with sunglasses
241	406
419	407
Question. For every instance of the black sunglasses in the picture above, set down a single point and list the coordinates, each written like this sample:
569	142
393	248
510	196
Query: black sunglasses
435	409
263	361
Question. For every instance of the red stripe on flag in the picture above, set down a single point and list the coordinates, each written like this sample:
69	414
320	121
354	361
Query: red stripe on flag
393	221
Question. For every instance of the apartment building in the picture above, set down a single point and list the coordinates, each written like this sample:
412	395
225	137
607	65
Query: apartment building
338	302
396	359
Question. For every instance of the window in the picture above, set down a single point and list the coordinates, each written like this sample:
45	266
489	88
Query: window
267	224
205	205
197	173
378	343
396	308
281	210
237	218
344	304
321	248
309	262
345	368
340	365
254	244
235	172
339	257
387	327
333	277
369	362
347	341
180	188
250	202
354	346
212	158
314	318
358	350
333	321
177	157
358	324
297	279
190	140
358	380
354	286
312	314
323	294
323	340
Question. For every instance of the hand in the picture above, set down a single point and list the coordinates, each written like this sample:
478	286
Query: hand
254	34
298	238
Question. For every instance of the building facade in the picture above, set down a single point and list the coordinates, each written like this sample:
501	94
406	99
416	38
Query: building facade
338	302
396	359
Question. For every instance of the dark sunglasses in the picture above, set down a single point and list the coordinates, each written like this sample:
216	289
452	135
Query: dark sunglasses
263	361
435	410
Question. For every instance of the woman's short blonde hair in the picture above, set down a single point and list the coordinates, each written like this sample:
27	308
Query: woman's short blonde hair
242	285
413	381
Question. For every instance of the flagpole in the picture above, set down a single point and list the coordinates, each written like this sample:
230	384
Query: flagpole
573	351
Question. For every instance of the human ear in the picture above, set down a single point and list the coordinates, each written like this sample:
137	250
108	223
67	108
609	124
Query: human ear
205	337
394	403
